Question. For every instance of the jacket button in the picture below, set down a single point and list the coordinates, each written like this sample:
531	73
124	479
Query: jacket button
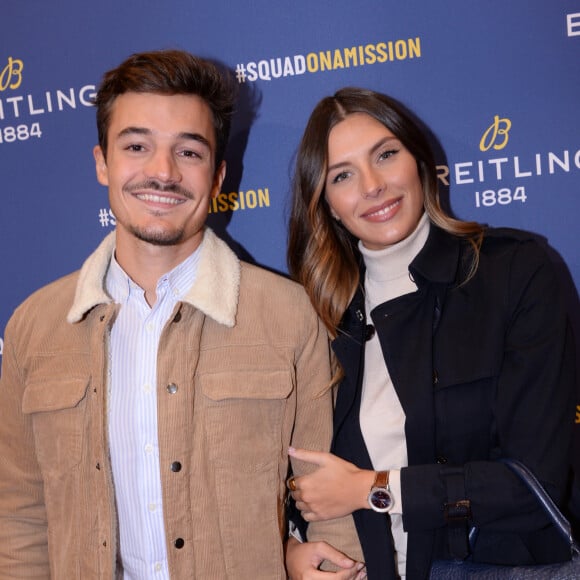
369	332
179	543
435	377
441	460
172	388
177	317
176	466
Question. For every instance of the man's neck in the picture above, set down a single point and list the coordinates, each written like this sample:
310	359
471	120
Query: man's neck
146	263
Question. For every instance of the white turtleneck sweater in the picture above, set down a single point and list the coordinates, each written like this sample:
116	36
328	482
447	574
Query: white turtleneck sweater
382	418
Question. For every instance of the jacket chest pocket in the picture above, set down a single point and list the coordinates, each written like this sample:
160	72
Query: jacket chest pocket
245	417
57	409
464	414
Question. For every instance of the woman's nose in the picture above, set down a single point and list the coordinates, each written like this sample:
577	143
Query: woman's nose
372	183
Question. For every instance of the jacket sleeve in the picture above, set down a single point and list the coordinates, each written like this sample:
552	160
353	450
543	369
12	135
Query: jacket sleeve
313	430
532	407
23	522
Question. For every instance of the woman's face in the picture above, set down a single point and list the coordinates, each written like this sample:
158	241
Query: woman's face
372	183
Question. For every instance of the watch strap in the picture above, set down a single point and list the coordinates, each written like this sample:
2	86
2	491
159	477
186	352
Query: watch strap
381	479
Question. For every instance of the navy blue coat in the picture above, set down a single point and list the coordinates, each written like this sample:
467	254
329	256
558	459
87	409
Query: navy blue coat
483	370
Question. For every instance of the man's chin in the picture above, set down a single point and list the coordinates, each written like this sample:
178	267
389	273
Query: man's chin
159	238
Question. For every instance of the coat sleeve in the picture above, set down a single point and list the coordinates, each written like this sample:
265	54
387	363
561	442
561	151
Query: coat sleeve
532	408
313	430
23	522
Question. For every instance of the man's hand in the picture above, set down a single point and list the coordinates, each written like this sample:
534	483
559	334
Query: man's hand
303	560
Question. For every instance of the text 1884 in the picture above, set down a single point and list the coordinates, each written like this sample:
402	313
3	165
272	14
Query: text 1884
503	196
20	133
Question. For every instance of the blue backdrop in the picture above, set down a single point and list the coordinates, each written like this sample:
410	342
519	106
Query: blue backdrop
497	82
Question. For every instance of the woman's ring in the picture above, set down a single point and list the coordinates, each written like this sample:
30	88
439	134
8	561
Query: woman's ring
291	483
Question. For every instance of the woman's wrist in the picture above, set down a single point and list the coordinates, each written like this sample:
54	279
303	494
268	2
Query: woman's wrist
367	478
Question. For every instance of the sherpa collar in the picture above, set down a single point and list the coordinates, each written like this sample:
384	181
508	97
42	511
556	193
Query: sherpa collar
215	291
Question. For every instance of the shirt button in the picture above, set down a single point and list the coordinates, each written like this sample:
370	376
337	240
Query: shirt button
147	388
149	327
179	543
172	388
176	466
149	448
157	566
152	507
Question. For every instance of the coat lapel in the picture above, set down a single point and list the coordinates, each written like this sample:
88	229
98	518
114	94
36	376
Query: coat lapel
349	350
405	328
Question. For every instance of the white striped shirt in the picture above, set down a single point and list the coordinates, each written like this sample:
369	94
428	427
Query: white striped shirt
133	416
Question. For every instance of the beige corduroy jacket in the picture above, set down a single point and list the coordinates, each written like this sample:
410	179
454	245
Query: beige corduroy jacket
241	365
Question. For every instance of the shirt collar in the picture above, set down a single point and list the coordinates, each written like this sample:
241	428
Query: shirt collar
178	281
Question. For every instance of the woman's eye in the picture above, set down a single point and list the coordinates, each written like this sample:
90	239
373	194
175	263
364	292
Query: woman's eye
340	177
388	153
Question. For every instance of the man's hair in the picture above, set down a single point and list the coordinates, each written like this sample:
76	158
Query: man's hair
169	72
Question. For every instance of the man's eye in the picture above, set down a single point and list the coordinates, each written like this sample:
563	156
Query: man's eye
134	147
189	153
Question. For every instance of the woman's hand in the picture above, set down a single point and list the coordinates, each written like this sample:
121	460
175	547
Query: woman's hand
337	488
303	560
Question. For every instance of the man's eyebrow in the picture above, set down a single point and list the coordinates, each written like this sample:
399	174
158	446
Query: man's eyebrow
184	135
134	131
195	137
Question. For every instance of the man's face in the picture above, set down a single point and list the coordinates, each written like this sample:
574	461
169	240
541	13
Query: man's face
159	167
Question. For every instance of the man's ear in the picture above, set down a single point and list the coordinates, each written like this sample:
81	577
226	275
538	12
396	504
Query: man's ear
218	179
100	165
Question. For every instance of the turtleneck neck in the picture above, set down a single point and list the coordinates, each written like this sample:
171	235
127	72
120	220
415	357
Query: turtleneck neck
387	270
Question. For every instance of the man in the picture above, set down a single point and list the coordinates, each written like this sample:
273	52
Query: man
147	402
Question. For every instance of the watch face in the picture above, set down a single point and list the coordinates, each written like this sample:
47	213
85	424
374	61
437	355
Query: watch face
381	500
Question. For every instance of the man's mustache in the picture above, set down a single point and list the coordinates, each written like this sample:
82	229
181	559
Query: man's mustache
154	185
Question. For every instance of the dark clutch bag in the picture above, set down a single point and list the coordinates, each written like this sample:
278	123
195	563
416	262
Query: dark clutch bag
570	570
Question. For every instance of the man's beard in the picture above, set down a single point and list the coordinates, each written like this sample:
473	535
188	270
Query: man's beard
158	238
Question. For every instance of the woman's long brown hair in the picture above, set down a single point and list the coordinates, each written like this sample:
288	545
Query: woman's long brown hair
322	254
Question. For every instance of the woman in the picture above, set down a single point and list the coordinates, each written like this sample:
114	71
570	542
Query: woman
452	351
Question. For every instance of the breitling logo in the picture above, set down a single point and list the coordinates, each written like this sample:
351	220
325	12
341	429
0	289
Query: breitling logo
496	135
11	75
